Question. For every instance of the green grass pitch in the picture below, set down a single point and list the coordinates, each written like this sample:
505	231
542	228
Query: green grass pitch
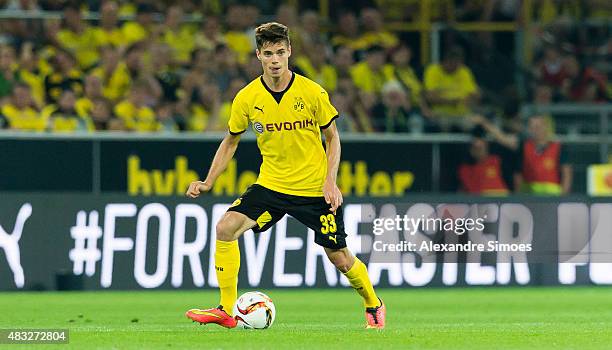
465	318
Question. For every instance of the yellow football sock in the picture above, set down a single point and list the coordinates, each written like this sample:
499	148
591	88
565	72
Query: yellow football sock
360	281
227	264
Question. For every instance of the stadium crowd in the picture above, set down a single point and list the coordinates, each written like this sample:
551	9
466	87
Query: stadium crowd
156	72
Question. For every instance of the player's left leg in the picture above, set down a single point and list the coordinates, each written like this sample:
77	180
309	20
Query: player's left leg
329	233
357	274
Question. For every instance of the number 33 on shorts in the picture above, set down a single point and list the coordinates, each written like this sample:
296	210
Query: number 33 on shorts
328	224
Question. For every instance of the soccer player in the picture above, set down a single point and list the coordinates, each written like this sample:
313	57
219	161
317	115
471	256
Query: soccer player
297	176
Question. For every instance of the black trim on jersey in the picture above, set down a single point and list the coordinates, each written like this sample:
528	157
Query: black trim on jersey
237	133
278	96
328	124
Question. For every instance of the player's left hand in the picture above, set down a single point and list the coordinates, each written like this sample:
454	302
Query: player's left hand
332	195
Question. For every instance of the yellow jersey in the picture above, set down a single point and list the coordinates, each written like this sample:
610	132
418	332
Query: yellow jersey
288	128
459	84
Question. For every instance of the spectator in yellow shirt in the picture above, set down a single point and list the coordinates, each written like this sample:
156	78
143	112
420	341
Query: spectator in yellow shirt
399	69
101	115
313	65
450	88
309	31
343	61
204	108
235	85
210	35
368	75
65	76
347	32
93	91
30	74
135	112
65	119
374	32
79	38
236	37
142	28
109	31
113	73
178	36
21	112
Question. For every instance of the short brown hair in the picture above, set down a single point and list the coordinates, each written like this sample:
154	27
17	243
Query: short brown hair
271	32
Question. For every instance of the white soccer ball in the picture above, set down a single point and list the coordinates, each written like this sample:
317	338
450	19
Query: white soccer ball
254	310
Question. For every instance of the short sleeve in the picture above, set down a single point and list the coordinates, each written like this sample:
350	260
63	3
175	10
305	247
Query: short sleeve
325	112
431	78
239	116
469	83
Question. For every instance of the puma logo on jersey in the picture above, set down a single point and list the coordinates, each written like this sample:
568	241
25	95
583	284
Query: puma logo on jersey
259	109
333	238
300	124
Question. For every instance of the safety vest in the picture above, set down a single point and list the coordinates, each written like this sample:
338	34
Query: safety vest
541	171
484	177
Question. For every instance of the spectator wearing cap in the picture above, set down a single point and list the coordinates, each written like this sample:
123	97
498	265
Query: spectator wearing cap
481	172
451	89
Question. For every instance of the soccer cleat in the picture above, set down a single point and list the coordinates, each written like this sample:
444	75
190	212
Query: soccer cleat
215	315
375	316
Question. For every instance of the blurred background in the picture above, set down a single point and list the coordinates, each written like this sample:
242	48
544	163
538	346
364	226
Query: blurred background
466	75
109	109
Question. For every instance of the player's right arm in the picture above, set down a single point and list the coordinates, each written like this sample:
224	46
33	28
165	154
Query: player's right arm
238	123
224	154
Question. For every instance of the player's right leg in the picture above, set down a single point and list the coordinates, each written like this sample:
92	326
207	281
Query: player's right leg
227	264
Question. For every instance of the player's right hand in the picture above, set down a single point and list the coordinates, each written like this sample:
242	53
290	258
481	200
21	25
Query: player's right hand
197	187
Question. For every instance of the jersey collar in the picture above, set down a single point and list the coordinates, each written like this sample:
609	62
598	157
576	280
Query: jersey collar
278	95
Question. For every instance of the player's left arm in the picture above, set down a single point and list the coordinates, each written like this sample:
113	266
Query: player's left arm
331	192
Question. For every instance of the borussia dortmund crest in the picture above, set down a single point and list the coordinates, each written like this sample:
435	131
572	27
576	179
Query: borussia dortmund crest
298	104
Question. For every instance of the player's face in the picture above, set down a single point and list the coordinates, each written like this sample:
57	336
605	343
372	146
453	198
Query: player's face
274	58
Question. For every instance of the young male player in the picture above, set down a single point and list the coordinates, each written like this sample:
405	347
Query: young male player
297	177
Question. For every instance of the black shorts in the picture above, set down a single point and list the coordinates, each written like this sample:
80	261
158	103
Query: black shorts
266	207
